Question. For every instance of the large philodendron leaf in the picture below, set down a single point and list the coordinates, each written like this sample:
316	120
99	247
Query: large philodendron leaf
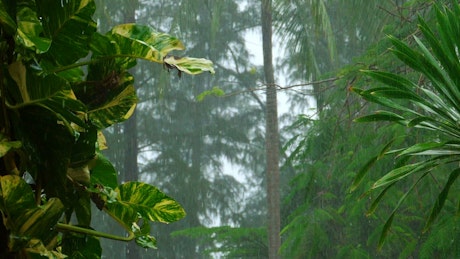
139	41
110	106
70	26
138	200
128	42
22	216
49	91
30	29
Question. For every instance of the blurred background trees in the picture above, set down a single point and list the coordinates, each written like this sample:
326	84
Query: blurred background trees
202	139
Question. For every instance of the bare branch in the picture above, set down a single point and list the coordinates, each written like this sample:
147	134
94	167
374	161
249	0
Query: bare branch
278	87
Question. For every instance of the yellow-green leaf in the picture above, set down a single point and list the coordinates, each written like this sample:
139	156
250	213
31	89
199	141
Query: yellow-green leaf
189	65
140	199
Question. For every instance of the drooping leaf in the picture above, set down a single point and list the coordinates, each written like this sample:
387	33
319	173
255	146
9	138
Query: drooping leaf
189	65
400	173
388	223
439	204
386	229
380	116
363	171
377	200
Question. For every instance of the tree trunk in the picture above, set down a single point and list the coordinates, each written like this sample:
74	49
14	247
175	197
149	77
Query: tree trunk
131	170
271	136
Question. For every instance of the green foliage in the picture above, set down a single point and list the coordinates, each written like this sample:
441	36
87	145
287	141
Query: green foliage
215	91
61	83
430	104
329	153
231	242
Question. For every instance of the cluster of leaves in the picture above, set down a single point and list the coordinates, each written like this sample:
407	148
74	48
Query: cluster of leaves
431	103
61	83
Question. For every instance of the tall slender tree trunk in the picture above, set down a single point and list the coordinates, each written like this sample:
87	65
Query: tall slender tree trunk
131	170
271	136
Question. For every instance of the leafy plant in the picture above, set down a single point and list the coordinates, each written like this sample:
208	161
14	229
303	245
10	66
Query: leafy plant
431	103
61	83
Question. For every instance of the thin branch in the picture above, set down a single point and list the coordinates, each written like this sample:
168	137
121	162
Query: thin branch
278	87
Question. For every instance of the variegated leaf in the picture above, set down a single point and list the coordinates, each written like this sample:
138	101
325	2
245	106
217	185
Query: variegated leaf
6	145
30	30
189	65
140	199
139	41
70	29
24	218
116	105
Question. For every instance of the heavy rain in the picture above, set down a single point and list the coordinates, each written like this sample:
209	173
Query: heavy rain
321	129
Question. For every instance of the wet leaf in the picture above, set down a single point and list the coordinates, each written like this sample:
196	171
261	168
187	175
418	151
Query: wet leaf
189	65
24	218
140	200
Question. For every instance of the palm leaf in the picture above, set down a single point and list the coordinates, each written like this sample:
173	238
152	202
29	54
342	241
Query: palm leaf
434	106
380	116
389	222
441	199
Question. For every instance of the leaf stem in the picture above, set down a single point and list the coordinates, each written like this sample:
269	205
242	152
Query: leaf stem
65	227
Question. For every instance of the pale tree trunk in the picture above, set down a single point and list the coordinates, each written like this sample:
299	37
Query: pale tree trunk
131	170
271	136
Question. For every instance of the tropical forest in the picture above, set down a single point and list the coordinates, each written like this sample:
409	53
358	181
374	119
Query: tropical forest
229	129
